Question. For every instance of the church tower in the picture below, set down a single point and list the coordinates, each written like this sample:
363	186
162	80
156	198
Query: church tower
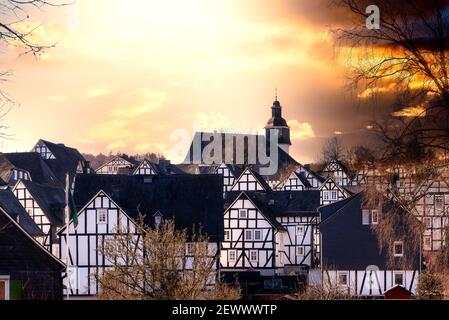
277	123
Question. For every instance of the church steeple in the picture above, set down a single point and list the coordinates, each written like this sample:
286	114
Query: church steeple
276	122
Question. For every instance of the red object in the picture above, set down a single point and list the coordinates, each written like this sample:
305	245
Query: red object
398	293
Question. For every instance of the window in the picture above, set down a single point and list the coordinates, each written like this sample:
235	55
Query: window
398	278
299	231
398	248
227	235
253	255
365	217
427	240
102	215
334	195
243	213
326	195
248	235
232	255
374	217
300	251
439	202
257	234
342	278
189	249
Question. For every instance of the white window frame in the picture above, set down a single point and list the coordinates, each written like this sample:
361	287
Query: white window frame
256	259
6	280
260	235
394	248
244	215
325	195
235	255
189	249
100	213
402	274
375	213
251	237
334	193
365	217
300	250
342	273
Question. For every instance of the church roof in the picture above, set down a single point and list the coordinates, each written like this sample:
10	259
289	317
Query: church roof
276	119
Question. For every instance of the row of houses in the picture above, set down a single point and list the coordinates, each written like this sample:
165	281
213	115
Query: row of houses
291	222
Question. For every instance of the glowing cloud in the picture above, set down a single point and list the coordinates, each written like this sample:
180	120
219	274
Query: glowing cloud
300	130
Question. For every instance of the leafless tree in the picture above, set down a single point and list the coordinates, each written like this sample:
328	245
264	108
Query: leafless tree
15	32
406	60
163	263
332	150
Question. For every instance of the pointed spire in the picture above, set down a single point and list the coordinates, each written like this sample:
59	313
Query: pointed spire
276	94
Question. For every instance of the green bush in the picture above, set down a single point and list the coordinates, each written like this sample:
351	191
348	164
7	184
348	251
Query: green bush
430	286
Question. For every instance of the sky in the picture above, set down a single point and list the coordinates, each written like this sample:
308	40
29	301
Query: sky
125	75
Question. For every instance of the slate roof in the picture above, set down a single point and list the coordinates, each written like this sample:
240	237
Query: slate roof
189	199
280	203
28	161
228	139
12	206
67	160
347	244
50	199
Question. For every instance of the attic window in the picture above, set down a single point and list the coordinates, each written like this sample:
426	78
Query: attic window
102	216
243	213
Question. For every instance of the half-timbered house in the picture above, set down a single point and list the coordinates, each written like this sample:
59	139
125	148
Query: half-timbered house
352	259
296	181
339	172
331	192
62	159
108	202
45	205
145	168
27	270
25	166
269	232
250	180
118	165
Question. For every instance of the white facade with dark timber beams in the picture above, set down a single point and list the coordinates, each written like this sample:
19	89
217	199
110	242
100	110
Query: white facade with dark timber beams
98	221
145	168
113	166
43	150
249	181
249	238
332	192
228	176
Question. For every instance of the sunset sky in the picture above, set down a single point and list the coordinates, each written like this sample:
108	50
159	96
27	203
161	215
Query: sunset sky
125	74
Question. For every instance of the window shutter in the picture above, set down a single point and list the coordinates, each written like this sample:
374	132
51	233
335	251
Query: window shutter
365	217
15	290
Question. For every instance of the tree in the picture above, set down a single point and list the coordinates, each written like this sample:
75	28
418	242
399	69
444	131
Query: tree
430	286
332	150
404	60
407	57
163	264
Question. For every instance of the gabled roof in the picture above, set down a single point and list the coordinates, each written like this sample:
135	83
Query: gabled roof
50	199
257	176
189	199
341	188
67	159
329	210
30	162
228	141
129	160
280	203
152	165
13	253
12	207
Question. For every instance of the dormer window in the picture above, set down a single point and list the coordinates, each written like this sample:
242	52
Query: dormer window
158	218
